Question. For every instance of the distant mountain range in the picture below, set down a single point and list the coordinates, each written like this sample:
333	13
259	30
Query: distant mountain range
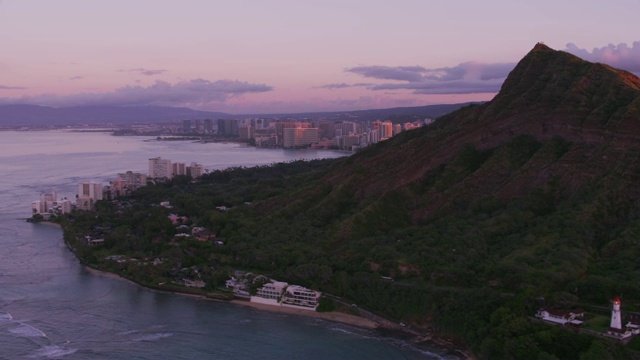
33	115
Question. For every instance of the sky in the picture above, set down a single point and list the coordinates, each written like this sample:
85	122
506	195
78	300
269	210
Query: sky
284	56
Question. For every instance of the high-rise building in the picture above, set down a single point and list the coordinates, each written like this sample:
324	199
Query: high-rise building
178	169
88	194
245	132
186	126
228	127
160	168
296	137
195	170
386	129
346	127
208	126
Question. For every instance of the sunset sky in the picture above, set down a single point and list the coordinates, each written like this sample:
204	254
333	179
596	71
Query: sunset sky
251	56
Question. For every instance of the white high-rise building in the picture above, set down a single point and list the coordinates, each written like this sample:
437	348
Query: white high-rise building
160	168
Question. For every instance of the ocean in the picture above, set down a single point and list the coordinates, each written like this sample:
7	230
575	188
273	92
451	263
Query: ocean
51	307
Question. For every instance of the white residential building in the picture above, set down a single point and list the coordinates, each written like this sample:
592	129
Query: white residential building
160	168
300	296
270	293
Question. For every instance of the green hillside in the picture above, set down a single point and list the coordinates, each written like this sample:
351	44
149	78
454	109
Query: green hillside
494	210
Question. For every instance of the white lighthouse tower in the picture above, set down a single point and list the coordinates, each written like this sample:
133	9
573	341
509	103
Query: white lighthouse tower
616	319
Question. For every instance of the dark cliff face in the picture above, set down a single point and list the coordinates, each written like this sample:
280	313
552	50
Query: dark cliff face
589	112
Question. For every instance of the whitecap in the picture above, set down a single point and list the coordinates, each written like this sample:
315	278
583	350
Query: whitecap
6	318
27	330
152	337
343	330
128	332
52	352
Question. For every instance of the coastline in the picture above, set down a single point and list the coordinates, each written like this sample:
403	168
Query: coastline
333	316
385	327
387	330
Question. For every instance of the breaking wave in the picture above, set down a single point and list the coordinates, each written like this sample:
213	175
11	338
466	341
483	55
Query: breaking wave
52	352
152	337
27	331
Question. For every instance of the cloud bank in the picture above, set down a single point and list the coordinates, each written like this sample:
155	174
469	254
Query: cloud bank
4	87
342	86
145	72
620	56
197	92
465	78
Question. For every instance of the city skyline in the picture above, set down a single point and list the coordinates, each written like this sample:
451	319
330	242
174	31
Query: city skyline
288	56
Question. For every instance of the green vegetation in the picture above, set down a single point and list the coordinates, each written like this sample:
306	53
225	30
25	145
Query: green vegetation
467	226
476	270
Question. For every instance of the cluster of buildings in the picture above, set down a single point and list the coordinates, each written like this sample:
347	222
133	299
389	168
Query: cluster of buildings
123	185
160	168
577	318
276	293
293	133
49	204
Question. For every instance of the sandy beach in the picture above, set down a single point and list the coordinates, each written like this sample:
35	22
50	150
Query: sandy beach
330	316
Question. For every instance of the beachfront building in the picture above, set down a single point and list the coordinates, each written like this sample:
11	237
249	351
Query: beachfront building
300	296
88	194
270	293
49	205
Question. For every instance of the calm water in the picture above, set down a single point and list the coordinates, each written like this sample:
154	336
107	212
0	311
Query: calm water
53	308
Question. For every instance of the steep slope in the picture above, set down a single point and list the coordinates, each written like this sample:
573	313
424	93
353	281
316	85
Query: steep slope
549	94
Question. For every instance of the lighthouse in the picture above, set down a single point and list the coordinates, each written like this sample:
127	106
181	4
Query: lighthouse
616	319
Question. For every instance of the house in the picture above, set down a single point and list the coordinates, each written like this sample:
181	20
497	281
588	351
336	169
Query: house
619	333
91	241
561	317
270	293
300	296
193	283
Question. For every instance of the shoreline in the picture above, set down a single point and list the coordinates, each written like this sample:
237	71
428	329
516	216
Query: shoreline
334	316
389	330
415	338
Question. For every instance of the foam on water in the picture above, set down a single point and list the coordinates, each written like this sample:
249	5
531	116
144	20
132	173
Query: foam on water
343	330
6	318
27	331
52	352
152	337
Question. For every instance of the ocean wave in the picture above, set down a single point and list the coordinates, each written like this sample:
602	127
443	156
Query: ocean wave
152	337
345	331
52	352
6	318
27	331
128	332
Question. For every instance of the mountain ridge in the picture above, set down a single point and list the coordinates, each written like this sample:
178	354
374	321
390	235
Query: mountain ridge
522	107
35	115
